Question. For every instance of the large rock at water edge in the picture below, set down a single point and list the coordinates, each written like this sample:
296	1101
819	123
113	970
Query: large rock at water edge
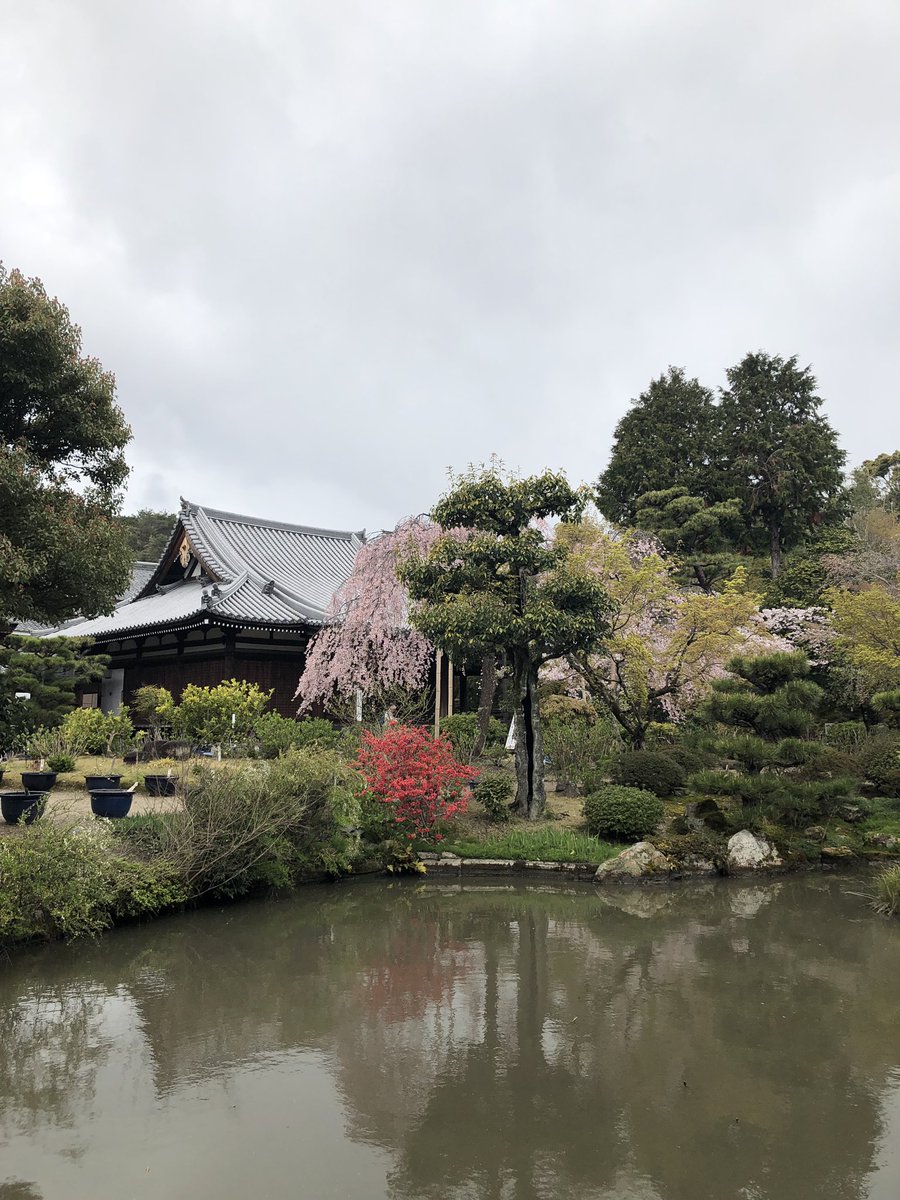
641	859
746	852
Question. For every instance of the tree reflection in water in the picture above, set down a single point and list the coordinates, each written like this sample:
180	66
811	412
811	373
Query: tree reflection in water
718	1040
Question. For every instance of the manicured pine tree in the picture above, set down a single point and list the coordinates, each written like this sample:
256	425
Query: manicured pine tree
764	711
506	588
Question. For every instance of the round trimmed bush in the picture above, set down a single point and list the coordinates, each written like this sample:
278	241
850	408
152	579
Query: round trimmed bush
494	791
623	813
652	770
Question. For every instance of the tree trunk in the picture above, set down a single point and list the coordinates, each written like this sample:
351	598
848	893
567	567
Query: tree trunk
485	701
530	795
775	539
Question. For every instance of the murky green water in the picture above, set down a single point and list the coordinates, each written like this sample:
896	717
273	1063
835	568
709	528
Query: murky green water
443	1041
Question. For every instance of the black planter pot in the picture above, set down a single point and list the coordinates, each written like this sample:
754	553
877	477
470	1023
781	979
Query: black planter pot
38	781
102	783
15	805
159	785
111	803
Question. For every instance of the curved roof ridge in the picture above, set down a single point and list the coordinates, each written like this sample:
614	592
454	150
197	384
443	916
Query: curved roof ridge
219	514
207	544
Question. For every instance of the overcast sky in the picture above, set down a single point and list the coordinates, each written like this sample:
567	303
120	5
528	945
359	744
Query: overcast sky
332	247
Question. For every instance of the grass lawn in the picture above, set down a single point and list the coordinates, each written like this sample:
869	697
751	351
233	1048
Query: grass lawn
544	843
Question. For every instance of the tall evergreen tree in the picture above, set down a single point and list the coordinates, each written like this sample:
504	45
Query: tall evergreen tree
665	440
777	452
62	465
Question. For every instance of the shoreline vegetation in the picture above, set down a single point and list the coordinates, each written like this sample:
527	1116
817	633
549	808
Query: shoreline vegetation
257	828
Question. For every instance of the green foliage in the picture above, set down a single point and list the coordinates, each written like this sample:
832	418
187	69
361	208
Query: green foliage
462	730
97	732
653	770
223	715
885	894
263	825
61	763
779	455
545	844
866	623
580	746
44	744
148	532
623	813
844	734
494	791
880	763
704	535
50	669
804	577
62	438
504	588
663	441
769	697
53	882
153	706
274	734
141	889
887	705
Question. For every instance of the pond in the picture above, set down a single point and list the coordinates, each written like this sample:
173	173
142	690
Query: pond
443	1040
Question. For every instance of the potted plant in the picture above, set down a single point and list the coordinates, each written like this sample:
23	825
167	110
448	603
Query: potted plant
40	746
159	784
16	806
112	802
120	739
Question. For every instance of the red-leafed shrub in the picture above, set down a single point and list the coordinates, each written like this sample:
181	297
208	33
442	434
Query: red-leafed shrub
417	775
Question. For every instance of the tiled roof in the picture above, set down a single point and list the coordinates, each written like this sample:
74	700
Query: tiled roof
141	572
263	572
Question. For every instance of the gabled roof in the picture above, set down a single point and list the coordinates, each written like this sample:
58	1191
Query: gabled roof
239	569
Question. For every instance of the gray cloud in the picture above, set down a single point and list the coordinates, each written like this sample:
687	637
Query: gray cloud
331	248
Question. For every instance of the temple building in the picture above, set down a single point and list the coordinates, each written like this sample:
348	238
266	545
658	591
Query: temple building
231	597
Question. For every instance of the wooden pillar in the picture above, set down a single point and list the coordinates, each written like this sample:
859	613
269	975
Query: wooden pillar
449	687
438	688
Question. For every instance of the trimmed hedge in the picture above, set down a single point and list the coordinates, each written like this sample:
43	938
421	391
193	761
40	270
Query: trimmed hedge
652	770
623	813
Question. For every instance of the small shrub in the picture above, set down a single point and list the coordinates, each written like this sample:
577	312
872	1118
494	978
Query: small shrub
880	763
219	715
273	734
690	758
54	882
652	770
580	745
61	763
844	735
415	775
97	732
139	889
462	730
623	813
494	792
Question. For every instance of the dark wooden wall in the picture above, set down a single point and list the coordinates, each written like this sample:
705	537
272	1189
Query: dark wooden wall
282	674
